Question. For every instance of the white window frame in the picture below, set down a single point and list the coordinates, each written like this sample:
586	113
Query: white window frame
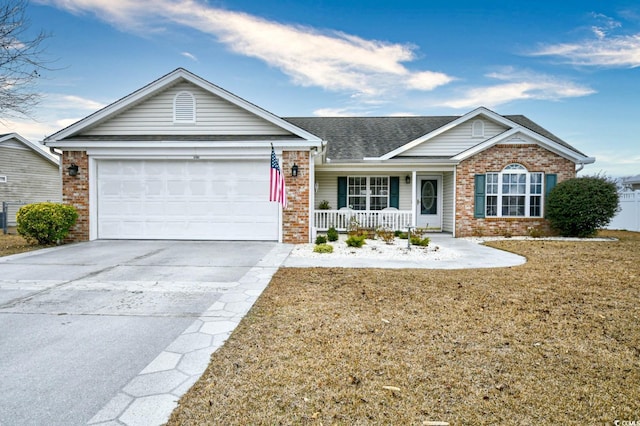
3	179
368	191
181	104
514	181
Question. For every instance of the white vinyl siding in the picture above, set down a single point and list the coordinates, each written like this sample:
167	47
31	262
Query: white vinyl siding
447	201
214	116
30	177
454	141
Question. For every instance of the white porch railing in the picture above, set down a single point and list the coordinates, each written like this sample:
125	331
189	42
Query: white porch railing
340	219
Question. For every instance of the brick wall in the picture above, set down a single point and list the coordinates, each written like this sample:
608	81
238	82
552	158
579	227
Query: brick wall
75	191
296	217
494	159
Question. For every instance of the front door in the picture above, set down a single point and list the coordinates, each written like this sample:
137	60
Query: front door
429	205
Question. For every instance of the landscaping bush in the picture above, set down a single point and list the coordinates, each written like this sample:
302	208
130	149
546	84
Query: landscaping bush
419	241
321	239
579	207
356	240
386	235
332	234
45	223
323	248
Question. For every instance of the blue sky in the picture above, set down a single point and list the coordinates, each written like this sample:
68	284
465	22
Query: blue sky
571	66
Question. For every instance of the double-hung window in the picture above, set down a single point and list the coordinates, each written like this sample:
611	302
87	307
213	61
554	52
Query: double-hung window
368	193
514	192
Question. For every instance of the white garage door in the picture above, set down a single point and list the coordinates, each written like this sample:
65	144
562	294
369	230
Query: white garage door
189	200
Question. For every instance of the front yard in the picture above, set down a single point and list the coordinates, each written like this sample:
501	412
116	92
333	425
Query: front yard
554	341
14	244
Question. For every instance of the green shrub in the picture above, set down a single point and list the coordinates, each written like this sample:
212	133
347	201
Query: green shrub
321	239
419	241
323	248
45	223
402	235
356	240
579	207
332	234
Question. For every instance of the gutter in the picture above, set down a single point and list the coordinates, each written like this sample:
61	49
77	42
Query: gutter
581	164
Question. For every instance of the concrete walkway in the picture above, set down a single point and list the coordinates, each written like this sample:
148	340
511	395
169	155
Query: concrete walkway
469	254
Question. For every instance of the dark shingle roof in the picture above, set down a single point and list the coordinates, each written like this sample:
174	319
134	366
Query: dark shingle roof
359	137
353	138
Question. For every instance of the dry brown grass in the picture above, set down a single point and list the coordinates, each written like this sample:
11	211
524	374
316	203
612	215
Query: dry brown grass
555	341
14	244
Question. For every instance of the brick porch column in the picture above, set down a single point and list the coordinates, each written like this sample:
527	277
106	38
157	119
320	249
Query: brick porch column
296	217
75	192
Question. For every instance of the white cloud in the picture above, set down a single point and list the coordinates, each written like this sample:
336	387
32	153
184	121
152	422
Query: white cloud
328	59
518	85
189	56
618	51
55	111
74	102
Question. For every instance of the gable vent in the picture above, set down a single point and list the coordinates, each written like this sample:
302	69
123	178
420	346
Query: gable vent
184	108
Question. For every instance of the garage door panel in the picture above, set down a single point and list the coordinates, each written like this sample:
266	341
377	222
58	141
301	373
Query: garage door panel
171	199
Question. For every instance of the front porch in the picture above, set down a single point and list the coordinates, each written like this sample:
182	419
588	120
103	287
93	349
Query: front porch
340	219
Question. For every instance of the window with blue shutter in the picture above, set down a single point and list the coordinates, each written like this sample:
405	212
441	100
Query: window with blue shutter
479	196
342	191
394	199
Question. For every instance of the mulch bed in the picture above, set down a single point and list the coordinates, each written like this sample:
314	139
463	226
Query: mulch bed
554	341
13	244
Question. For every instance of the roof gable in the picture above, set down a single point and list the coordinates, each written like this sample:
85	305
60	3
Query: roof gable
15	140
160	94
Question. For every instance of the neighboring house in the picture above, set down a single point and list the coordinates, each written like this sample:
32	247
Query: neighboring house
27	174
182	158
632	182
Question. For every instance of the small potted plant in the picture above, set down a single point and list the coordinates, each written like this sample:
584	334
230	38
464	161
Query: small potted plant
324	205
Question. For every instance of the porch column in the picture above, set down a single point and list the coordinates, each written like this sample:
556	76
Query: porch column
296	218
414	198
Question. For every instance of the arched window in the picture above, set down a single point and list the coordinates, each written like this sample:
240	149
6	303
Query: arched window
184	108
514	192
477	129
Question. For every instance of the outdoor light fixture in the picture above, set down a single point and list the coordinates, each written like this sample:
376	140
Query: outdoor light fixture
407	179
73	170
294	170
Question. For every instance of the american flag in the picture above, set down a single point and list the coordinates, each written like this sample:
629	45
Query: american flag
277	188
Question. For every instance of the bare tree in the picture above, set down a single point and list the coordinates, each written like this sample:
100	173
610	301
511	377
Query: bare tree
21	59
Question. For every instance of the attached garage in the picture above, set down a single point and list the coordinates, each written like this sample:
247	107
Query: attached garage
183	159
185	199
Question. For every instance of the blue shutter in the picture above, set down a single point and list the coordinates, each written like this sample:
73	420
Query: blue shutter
342	191
550	182
394	198
479	210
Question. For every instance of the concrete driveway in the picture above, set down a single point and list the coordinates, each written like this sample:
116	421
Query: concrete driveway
113	332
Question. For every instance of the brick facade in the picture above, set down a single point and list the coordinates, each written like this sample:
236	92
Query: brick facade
75	191
296	217
533	157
